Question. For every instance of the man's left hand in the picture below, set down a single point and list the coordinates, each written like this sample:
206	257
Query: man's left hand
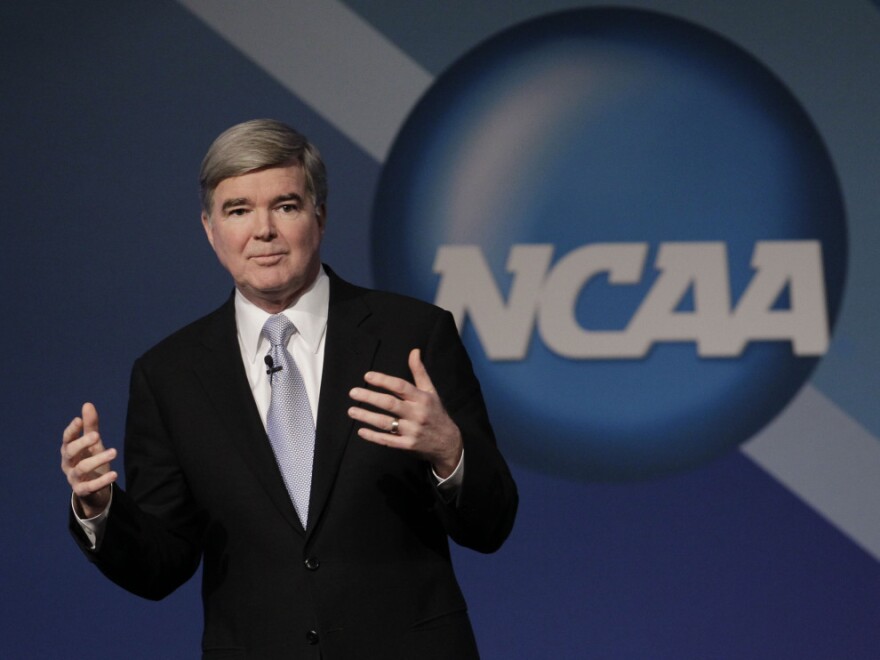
414	417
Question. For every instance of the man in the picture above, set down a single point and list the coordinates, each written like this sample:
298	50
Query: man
313	443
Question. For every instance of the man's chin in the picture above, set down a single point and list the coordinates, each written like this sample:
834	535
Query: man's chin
272	296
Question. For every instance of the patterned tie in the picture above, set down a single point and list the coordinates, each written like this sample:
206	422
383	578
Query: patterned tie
289	421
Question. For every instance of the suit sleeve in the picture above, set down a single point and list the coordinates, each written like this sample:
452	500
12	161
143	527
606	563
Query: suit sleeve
152	541
482	515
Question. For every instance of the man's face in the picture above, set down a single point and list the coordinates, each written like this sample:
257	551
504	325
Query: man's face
267	233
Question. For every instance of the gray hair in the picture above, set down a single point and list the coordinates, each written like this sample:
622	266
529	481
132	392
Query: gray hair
256	144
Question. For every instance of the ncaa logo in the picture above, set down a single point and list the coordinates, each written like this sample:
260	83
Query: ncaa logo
638	229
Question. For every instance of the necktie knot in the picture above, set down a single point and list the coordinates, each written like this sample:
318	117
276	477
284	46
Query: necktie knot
277	329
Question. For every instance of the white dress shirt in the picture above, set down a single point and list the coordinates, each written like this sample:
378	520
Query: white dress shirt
306	345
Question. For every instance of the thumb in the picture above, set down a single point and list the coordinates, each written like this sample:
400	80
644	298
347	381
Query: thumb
90	418
420	374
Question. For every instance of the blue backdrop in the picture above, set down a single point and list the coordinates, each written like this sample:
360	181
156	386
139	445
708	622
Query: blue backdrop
769	550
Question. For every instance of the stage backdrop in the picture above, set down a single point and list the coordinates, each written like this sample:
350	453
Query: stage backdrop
655	221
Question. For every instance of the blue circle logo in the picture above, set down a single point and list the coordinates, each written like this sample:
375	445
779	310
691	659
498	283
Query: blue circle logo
638	229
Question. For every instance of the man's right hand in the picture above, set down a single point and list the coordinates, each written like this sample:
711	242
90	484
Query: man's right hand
86	463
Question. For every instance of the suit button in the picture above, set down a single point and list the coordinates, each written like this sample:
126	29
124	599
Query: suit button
313	564
312	637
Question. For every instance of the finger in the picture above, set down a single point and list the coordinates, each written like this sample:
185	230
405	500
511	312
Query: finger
85	488
90	418
75	465
397	386
378	420
94	463
384	439
420	374
379	400
72	432
74	448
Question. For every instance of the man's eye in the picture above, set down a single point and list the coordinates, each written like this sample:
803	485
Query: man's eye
289	208
237	212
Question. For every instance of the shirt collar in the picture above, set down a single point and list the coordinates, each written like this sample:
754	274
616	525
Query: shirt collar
308	314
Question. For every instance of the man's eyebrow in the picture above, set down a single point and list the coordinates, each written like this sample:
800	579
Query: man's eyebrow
244	201
235	201
287	197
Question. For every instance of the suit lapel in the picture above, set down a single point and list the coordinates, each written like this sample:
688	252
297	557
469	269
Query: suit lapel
221	372
348	354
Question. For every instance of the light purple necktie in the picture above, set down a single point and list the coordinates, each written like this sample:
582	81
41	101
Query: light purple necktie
289	421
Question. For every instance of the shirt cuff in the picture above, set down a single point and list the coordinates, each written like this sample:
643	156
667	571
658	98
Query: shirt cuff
451	484
92	527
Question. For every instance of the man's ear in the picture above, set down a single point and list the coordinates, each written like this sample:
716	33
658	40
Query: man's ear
209	229
321	212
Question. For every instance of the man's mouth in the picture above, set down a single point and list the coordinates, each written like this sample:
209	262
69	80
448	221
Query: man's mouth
267	259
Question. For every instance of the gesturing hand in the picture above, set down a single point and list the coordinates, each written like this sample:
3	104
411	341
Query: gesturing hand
86	463
415	420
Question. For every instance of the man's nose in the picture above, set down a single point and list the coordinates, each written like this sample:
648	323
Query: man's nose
264	224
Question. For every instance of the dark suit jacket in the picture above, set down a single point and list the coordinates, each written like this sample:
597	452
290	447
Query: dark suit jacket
371	577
